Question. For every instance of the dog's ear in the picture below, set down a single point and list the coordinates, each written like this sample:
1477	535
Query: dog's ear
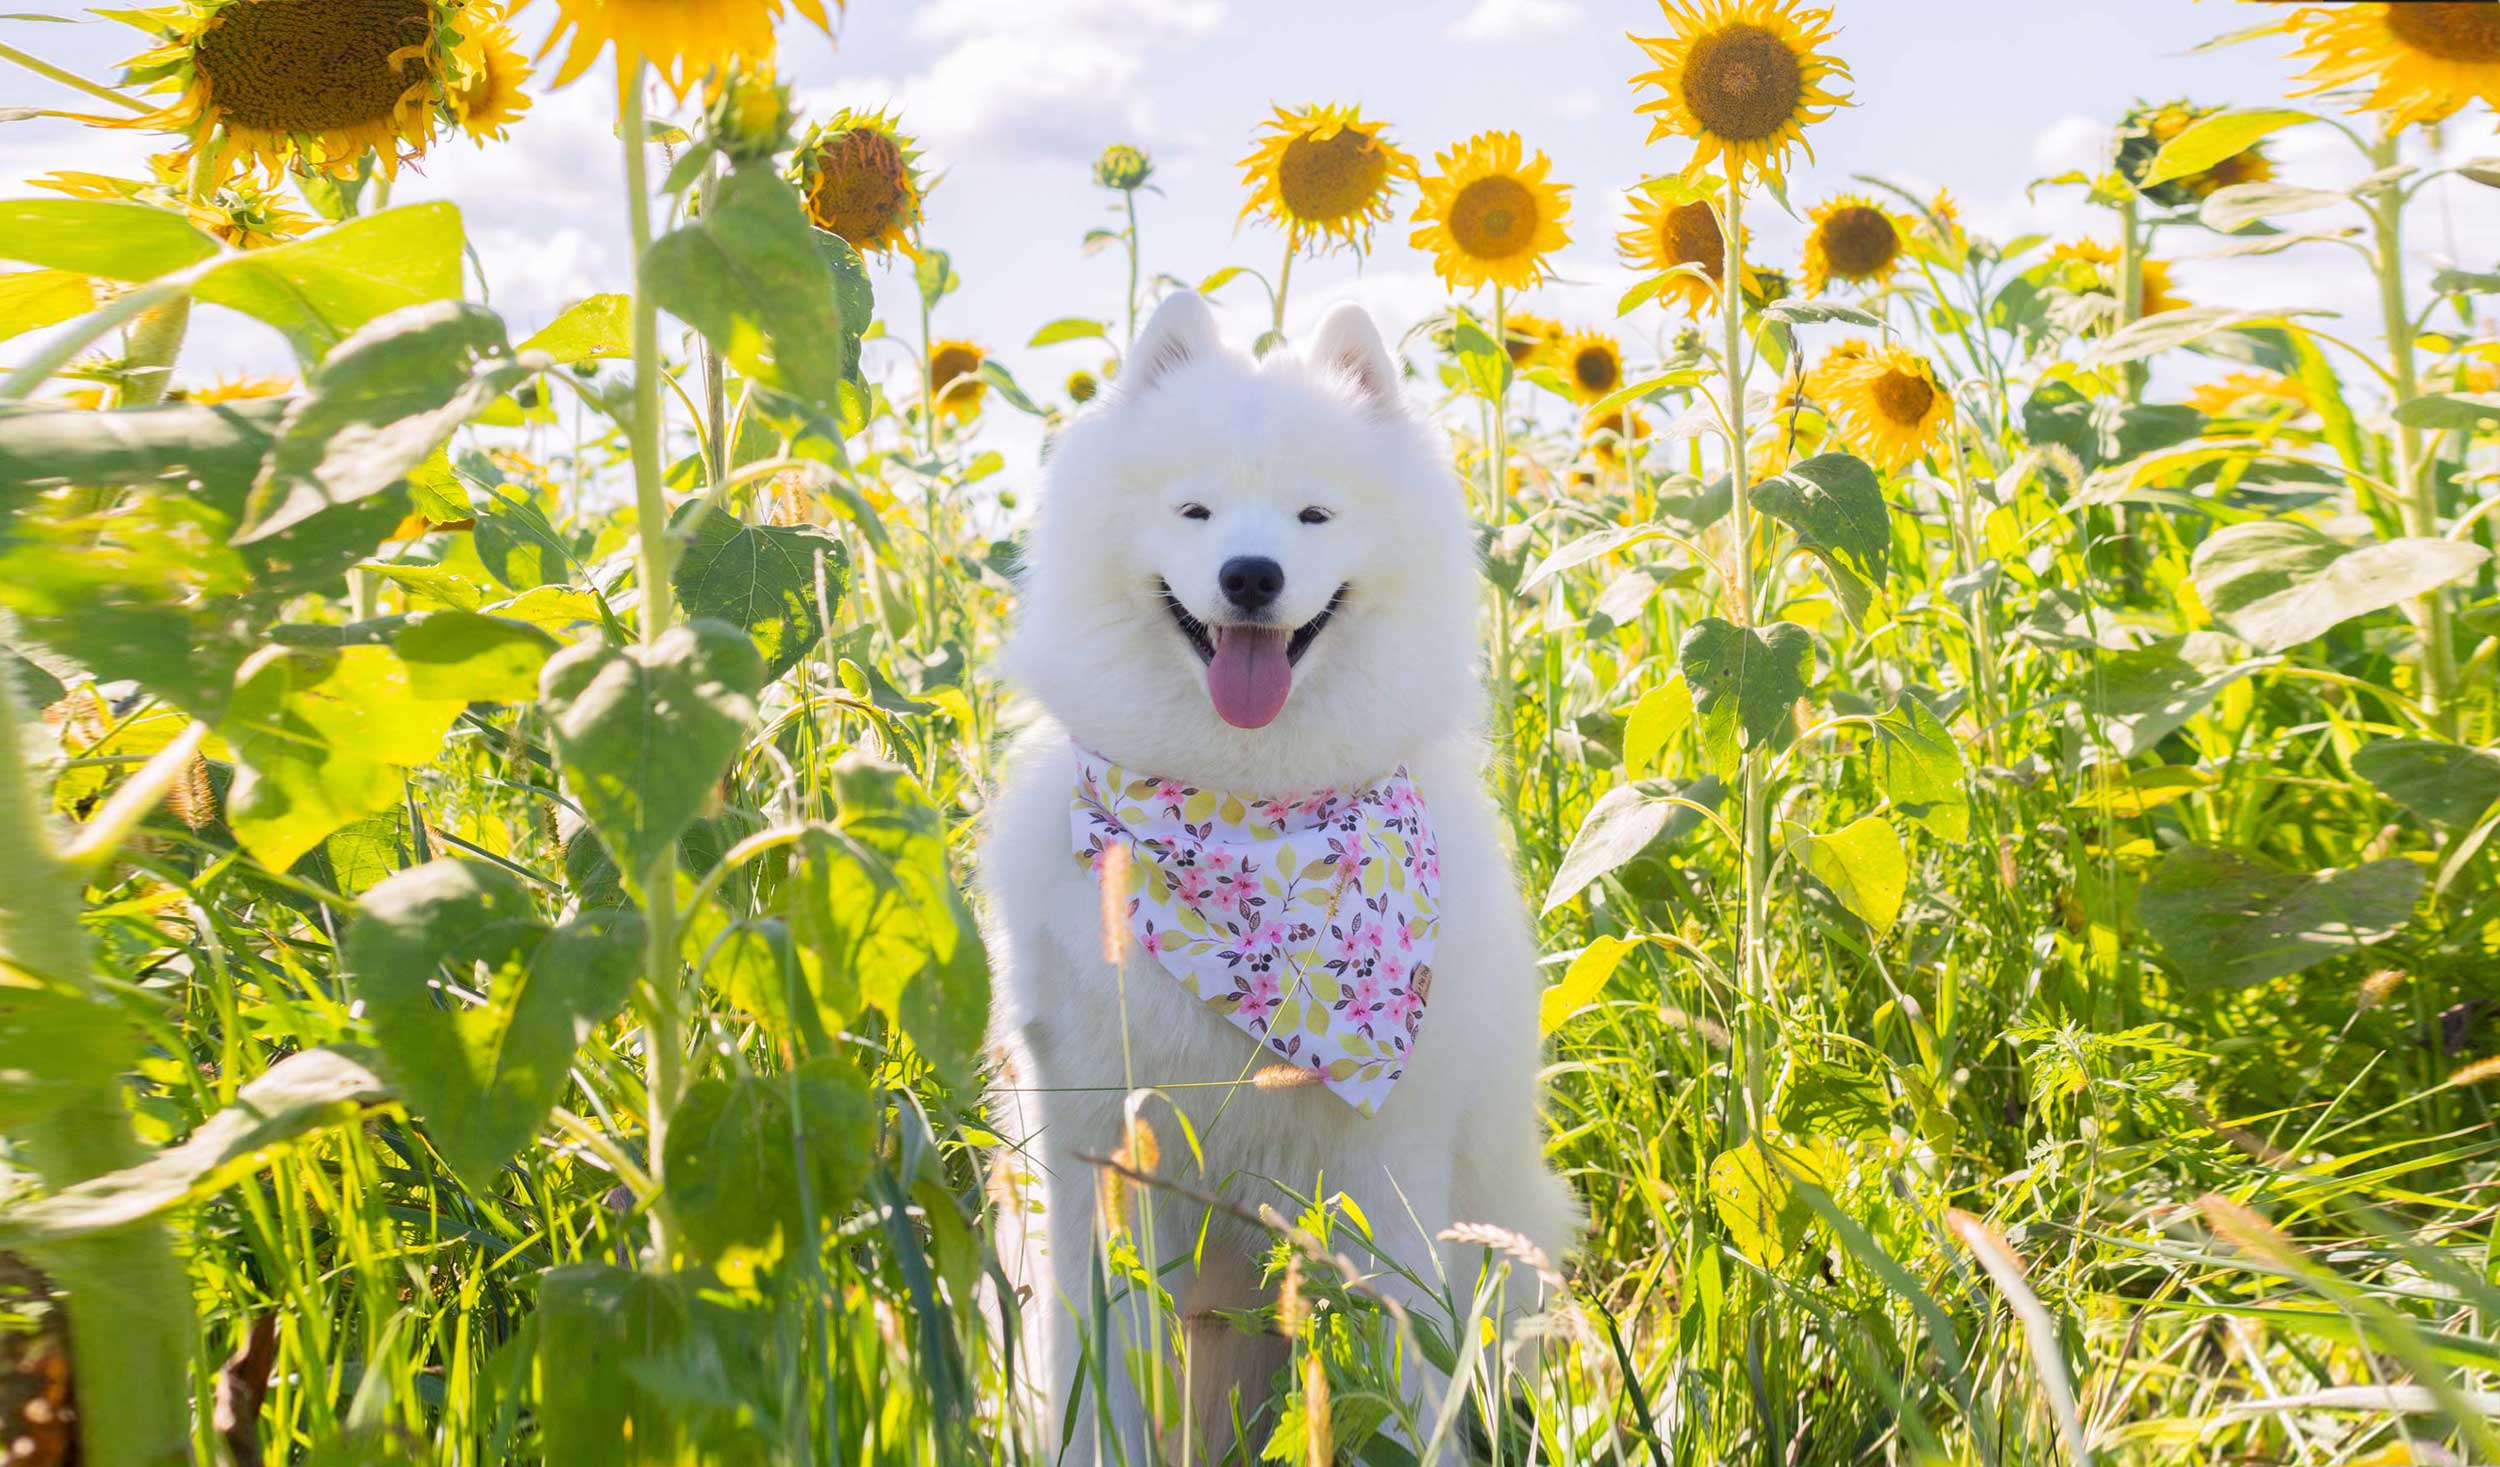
1349	344
1182	330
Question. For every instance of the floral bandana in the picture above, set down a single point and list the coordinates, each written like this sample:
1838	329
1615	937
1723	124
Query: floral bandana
1308	922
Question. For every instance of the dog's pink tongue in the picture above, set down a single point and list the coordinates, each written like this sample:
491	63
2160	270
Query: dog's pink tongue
1249	678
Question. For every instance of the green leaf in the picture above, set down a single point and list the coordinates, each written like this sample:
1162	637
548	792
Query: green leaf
114	238
216	447
1818	312
385	400
321	736
1746	684
599	328
635	1369
57	1045
1755	1201
322	287
1582	981
766	1162
2279	583
1835	505
2210	140
773	581
751	274
2143	696
2241	204
2463	412
518	546
2439	781
2227	918
1918	766
33	299
313	1091
2106	430
645	733
483	1075
1863	864
2127	794
1662	713
1618	827
879	921
1070	328
465	657
934	274
2169	330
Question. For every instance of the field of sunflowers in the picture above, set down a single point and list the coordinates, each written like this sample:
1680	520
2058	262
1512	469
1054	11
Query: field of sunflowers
2004	756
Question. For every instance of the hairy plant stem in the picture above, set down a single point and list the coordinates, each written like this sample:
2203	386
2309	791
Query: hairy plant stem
1276	299
130	1314
2417	486
1130	197
1754	958
1496	508
663	1019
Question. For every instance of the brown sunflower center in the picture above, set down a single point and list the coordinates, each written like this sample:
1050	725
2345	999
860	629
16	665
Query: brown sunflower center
2451	32
861	187
950	364
1595	369
281	66
1859	241
1743	83
1493	218
1326	179
1903	397
1690	236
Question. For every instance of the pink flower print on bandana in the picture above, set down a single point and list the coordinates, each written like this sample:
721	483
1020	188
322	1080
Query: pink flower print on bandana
1307	922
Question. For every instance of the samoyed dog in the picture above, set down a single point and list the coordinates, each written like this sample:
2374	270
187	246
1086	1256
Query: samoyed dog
1248	619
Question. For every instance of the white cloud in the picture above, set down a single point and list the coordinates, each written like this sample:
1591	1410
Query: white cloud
1019	80
1506	22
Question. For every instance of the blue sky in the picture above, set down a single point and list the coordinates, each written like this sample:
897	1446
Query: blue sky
1013	98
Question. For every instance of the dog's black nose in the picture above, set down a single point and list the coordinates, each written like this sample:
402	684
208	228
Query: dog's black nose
1251	582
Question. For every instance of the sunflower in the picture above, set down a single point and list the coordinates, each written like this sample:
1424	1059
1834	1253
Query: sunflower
2421	60
1609	435
1591	364
859	174
2239	394
314	83
1885	399
955	380
486	96
2141	135
240	208
1123	167
1529	339
232	389
1665	235
682	39
1490	217
1322	172
1853	239
2089	267
1743	79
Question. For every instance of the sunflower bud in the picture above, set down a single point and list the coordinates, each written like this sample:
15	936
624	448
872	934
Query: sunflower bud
2145	130
1082	386
858	176
1123	166
749	115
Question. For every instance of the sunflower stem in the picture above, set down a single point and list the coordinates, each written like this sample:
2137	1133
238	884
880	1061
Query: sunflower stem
130	1314
1497	511
1754	936
1130	197
663	1021
1284	280
2417	487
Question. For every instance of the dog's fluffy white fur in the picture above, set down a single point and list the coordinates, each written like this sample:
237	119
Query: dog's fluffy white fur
1391	680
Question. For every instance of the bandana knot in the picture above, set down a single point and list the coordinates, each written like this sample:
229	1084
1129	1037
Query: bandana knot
1307	922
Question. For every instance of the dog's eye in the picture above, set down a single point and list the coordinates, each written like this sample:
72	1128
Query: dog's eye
1316	516
1196	512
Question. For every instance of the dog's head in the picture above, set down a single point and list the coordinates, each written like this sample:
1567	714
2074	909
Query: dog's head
1255	575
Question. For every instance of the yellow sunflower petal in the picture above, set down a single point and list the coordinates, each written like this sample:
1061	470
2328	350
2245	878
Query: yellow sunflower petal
1323	172
2420	61
1886	400
1491	216
1852	239
1743	79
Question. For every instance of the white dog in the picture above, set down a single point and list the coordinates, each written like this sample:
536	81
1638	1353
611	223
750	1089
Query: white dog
1248	612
